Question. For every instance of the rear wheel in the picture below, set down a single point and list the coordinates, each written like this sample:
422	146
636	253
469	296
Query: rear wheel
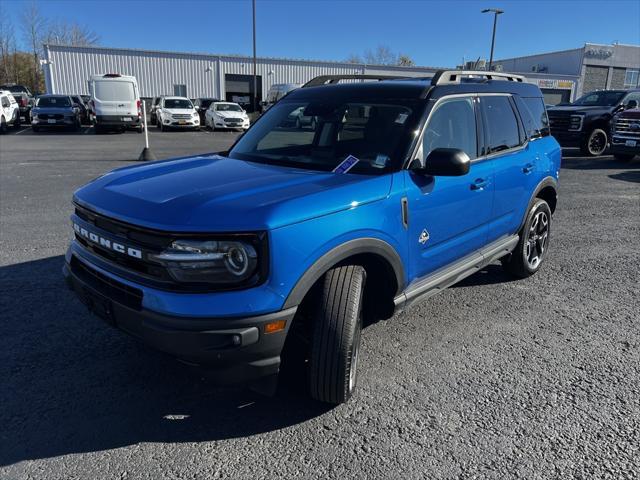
336	333
527	257
3	125
595	144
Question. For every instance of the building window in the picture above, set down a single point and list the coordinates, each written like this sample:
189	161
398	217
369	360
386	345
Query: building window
180	90
631	78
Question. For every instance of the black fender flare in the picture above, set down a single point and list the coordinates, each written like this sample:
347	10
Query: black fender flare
336	255
546	182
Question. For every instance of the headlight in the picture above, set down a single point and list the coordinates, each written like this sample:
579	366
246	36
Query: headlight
228	262
195	114
575	122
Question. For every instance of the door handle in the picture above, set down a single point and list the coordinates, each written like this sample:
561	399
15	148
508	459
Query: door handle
479	184
528	168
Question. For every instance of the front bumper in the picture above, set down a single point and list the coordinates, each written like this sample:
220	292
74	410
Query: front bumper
569	138
62	122
233	349
619	145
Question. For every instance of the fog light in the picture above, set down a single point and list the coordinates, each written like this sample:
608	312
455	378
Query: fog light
273	327
236	339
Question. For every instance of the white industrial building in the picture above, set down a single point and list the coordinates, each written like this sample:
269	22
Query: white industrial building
67	69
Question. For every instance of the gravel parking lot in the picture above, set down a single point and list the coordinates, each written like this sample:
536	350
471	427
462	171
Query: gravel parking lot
494	378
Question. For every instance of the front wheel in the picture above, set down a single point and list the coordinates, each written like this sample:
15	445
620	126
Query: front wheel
336	335
596	143
526	259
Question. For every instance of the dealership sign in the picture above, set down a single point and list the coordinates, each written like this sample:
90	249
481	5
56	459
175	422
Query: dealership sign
554	84
601	53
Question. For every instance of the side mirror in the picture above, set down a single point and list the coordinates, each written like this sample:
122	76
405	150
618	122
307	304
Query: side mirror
619	108
444	162
631	104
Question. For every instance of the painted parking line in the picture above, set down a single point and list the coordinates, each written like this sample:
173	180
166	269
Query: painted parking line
22	131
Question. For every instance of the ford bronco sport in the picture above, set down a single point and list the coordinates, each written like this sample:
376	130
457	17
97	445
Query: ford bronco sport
403	188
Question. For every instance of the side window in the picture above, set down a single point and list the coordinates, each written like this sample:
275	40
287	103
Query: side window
534	116
635	96
452	125
5	102
500	122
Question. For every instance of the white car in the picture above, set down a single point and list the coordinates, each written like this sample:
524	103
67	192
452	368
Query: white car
226	115
176	112
9	110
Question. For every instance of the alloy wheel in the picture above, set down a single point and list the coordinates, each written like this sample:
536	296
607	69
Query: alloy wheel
537	238
597	142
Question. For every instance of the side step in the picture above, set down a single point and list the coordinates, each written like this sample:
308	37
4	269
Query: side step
447	276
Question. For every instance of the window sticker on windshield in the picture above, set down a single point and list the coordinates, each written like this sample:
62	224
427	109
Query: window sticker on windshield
346	165
402	117
381	161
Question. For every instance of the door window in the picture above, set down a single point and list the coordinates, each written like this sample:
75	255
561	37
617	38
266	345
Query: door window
5	102
452	125
501	124
534	116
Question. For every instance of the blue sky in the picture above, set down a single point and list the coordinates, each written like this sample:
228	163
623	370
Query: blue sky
433	33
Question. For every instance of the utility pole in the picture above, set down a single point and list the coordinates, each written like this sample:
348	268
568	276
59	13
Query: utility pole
255	76
496	12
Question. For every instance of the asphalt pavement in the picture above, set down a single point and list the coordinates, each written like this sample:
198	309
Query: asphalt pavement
493	378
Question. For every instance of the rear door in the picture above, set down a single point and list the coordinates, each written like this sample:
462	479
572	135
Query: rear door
115	97
448	216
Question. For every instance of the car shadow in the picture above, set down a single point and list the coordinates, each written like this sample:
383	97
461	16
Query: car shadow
629	176
72	384
489	275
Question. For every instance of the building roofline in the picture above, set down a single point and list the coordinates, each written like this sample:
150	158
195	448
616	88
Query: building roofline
239	57
540	54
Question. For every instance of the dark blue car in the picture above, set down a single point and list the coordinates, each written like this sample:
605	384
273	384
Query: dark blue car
55	111
295	236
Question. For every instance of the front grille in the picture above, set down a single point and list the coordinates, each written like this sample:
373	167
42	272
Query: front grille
233	120
52	116
559	121
181	116
628	127
107	286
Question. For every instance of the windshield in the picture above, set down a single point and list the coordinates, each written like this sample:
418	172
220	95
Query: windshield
322	135
177	103
227	107
58	102
114	91
600	99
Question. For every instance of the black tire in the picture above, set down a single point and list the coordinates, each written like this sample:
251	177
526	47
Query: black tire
623	157
533	243
298	123
596	143
98	130
18	123
3	125
161	125
337	325
152	120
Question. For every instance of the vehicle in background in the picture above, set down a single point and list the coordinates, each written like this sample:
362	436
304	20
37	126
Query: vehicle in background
152	110
115	102
9	111
226	115
55	111
83	109
298	119
586	122
625	132
202	104
176	112
276	92
23	96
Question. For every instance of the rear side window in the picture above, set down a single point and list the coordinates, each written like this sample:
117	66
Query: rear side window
452	125
5	102
111	91
501	124
534	116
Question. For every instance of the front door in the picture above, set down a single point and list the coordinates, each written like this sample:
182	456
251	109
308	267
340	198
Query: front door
448	216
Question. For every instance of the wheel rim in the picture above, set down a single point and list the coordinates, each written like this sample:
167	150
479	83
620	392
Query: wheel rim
537	239
597	142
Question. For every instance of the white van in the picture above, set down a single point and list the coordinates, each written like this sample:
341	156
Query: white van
276	92
115	102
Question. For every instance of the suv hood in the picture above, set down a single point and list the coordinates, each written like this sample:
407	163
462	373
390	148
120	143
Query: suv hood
580	109
633	113
229	114
173	111
218	194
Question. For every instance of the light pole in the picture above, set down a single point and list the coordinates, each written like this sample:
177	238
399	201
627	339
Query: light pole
496	12
255	76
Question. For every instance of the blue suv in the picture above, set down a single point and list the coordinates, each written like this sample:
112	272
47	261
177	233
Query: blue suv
296	235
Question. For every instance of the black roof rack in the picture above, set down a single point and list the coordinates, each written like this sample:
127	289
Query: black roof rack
331	79
454	77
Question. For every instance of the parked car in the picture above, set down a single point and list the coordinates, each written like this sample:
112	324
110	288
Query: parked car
202	104
176	112
115	102
411	186
585	123
298	119
625	132
276	92
23	96
83	109
9	111
152	111
226	115
55	111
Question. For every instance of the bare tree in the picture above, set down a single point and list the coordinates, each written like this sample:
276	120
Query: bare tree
382	55
7	43
405	60
354	58
65	33
33	25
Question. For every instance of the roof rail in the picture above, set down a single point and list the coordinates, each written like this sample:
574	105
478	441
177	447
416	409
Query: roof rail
452	77
330	79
